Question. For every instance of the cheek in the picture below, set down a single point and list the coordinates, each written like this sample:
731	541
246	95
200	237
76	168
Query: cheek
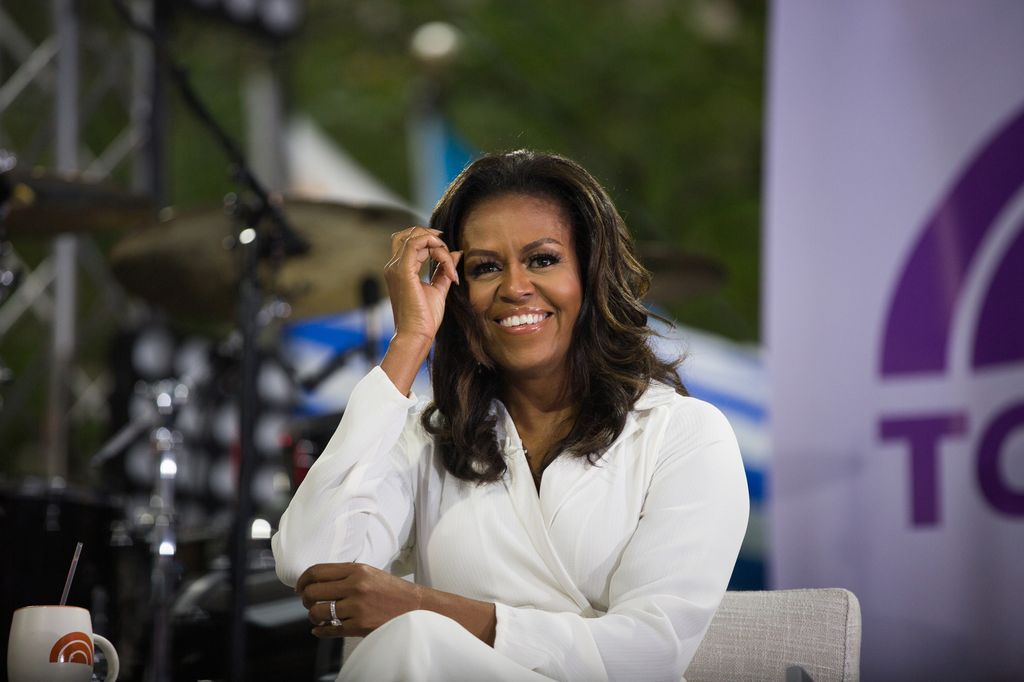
570	297
478	296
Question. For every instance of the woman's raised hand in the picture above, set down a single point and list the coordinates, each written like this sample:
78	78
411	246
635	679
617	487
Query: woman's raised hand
418	306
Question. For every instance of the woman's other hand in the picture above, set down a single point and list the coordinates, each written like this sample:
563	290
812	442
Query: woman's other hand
365	598
418	306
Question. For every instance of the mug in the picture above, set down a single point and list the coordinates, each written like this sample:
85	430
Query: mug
55	644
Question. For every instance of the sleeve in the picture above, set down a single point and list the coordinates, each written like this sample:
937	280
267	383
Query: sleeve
357	500
672	574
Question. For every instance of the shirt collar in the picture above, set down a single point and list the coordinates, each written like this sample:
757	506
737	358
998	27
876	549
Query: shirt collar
656	395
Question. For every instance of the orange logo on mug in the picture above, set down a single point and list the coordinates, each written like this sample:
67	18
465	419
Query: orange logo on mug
74	647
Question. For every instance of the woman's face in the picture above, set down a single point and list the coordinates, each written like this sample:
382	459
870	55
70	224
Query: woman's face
524	282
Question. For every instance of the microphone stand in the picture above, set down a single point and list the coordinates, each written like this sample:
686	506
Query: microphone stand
279	242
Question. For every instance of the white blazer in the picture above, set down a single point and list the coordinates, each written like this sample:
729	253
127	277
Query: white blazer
612	572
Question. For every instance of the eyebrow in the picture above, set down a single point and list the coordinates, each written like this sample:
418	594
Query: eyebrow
529	247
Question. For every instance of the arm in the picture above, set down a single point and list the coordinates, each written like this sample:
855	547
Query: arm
670	577
356	502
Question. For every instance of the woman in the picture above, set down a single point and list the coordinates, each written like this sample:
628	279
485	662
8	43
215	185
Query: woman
567	512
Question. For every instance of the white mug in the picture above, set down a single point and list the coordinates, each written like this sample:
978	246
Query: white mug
55	644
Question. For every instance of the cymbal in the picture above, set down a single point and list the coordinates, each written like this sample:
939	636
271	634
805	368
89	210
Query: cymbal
44	204
185	265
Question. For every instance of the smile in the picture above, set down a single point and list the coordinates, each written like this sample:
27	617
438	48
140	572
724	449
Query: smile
523	320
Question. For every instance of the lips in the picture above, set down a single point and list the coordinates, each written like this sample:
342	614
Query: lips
522	320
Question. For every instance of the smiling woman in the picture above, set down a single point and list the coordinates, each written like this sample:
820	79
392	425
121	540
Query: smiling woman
567	512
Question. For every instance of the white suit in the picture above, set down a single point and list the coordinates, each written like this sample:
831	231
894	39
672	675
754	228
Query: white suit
612	572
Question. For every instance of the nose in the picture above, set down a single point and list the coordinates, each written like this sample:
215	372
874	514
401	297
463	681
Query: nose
515	284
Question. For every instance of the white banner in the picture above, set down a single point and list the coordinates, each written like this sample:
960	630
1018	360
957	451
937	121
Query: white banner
894	307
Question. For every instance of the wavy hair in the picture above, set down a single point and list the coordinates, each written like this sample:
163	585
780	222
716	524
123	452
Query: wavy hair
610	361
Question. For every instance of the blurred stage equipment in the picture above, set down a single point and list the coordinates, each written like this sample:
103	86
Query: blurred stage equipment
276	19
184	264
44	205
10	273
263	235
49	95
276	624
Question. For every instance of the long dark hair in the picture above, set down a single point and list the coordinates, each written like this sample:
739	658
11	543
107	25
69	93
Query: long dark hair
610	362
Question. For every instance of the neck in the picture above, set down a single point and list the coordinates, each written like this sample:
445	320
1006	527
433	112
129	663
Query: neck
538	404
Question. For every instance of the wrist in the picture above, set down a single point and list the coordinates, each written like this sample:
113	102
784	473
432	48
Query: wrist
403	359
478	617
413	344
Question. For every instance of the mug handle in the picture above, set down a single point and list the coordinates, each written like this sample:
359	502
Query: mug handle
110	653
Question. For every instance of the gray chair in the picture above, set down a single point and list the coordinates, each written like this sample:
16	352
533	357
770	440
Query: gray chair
791	635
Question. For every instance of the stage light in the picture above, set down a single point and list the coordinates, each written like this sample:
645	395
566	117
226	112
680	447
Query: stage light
435	43
281	17
260	529
168	468
153	353
192	362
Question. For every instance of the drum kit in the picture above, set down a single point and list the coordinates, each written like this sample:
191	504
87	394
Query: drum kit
171	470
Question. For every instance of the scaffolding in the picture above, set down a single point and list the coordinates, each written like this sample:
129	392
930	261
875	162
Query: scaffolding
61	73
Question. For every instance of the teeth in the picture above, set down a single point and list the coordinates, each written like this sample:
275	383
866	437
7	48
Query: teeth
519	320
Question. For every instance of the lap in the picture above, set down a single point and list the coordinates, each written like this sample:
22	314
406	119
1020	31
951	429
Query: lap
423	646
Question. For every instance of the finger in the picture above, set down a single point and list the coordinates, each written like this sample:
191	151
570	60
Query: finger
425	241
446	273
310	575
416	249
322	572
331	631
316	593
320	596
445	264
399	239
319	613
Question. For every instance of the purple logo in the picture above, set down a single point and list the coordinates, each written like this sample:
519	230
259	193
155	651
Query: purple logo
918	327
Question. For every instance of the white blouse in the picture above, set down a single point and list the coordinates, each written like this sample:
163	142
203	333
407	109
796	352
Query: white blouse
612	572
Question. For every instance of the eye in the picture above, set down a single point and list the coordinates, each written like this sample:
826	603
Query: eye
544	260
482	268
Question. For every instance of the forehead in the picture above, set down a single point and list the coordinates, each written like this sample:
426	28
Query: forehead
515	218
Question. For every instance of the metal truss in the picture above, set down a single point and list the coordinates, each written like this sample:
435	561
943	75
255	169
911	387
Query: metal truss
52	88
